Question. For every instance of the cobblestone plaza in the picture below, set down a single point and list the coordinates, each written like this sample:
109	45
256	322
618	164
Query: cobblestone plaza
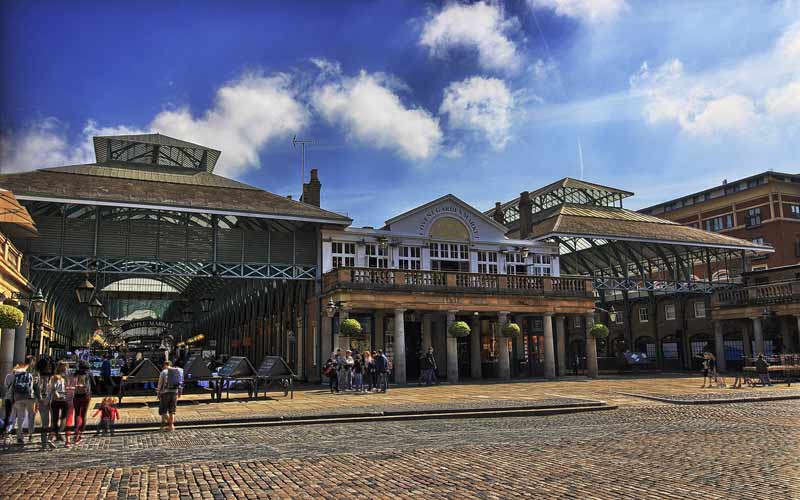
642	449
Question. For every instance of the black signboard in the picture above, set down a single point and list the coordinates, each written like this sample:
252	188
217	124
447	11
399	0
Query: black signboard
274	366
237	367
145	370
196	368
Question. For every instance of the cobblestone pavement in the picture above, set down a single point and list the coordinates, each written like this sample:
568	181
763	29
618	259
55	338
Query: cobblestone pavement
636	452
312	400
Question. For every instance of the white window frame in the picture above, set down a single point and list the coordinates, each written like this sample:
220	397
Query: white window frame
759	267
453	252
644	315
577	321
409	258
669	312
794	211
515	264
340	254
376	256
542	265
488	262
699	312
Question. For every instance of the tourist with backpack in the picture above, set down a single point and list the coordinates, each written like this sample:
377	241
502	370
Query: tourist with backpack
170	387
59	404
22	385
82	385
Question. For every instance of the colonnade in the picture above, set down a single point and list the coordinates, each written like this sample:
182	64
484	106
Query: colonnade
757	328
553	348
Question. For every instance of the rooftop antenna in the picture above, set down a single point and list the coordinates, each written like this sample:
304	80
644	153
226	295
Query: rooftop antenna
302	143
580	157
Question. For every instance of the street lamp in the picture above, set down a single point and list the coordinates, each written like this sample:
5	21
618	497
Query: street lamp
95	308
612	314
84	291
524	253
332	307
187	315
37	301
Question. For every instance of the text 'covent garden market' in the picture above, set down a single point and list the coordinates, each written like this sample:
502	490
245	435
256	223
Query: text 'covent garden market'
178	255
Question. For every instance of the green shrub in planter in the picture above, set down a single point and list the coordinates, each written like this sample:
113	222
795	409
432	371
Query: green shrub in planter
350	328
10	316
510	330
599	331
459	329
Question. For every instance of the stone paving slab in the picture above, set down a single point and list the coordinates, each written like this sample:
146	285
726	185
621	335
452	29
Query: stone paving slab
729	396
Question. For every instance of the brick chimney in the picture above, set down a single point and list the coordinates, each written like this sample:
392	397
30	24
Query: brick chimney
525	214
497	215
311	189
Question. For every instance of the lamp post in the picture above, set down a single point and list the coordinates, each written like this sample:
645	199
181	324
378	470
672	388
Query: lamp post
84	291
35	305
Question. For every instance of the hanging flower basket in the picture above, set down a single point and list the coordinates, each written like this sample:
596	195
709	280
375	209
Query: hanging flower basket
459	329
10	316
510	330
599	331
350	328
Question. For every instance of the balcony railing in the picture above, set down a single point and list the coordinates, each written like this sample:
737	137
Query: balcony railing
769	293
411	280
10	255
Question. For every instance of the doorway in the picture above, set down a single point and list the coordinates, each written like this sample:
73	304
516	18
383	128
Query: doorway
413	330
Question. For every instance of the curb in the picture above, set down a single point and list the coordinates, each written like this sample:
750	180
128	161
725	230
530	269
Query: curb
387	415
759	399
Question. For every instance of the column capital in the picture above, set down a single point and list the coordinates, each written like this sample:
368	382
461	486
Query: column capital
400	310
549	314
453	311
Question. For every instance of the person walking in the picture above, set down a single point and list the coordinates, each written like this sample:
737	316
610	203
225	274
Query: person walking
105	372
83	386
42	401
22	384
382	368
57	396
369	371
341	369
762	369
358	373
108	416
349	362
169	389
429	367
329	370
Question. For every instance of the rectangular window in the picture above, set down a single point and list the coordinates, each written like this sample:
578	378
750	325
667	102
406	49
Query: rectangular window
760	267
577	322
515	264
717	224
758	241
753	217
377	256
644	315
670	350
410	258
542	265
669	312
699	309
344	254
449	257
487	262
794	211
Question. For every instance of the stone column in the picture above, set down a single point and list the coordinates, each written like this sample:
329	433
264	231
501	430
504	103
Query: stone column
549	354
786	334
504	364
7	351
561	345
19	339
325	340
399	346
591	347
746	344
344	341
379	332
452	350
426	332
475	348
758	335
719	345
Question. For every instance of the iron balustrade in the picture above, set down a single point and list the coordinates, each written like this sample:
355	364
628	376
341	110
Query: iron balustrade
372	278
768	293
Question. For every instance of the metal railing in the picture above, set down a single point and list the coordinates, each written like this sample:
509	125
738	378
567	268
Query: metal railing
371	278
768	293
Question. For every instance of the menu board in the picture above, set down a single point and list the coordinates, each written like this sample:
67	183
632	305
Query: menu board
273	366
237	366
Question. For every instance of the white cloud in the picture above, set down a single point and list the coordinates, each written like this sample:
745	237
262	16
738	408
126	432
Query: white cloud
480	104
247	114
479	26
784	100
368	108
591	11
744	98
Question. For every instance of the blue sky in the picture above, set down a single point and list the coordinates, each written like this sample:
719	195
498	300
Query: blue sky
408	100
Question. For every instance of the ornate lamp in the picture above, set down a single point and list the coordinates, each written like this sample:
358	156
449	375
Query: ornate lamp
95	308
206	303
37	301
187	315
84	291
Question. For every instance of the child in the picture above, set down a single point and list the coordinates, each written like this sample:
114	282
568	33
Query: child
108	415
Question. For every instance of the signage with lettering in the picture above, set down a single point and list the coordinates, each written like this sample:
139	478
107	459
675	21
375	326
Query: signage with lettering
451	211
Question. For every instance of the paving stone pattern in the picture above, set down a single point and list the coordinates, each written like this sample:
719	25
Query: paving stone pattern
644	451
